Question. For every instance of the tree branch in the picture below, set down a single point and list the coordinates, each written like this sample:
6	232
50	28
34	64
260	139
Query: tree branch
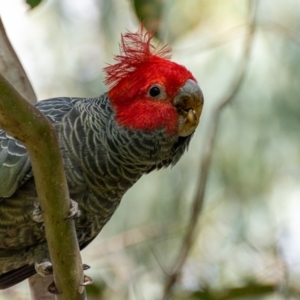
191	233
15	74
24	122
10	66
12	69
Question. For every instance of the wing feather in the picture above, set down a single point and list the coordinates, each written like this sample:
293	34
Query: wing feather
15	166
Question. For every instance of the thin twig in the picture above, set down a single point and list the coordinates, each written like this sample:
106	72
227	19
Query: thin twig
279	29
216	41
189	238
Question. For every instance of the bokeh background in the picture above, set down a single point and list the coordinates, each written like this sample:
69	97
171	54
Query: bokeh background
247	243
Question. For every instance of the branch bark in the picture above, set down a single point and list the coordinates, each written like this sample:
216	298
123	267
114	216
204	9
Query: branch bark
11	66
209	142
24	122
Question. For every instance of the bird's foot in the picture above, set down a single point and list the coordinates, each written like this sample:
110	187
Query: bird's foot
44	268
53	289
74	211
37	214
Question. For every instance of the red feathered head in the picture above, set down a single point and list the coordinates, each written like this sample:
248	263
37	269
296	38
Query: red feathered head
144	82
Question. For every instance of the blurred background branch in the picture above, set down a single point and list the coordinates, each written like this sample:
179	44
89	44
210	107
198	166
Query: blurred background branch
205	161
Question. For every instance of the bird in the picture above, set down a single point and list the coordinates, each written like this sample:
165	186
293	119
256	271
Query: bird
143	122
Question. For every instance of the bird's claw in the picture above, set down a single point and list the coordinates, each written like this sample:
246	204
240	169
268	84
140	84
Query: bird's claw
53	289
86	281
74	211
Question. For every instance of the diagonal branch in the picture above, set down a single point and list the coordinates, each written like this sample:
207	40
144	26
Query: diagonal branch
23	121
11	67
197	206
26	123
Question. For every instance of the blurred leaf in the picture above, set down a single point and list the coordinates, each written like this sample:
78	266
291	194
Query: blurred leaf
159	15
149	12
250	290
204	294
33	3
95	290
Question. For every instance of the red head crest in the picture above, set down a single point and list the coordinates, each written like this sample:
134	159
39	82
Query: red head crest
135	49
138	68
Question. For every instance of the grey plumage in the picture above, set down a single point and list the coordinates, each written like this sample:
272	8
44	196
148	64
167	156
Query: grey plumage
102	161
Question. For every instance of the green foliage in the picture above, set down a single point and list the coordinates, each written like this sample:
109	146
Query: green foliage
248	291
170	19
33	3
95	290
149	12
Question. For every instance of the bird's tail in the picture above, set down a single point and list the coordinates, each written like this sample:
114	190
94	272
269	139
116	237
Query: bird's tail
13	277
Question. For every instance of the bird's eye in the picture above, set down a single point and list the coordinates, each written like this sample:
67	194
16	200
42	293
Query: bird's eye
154	91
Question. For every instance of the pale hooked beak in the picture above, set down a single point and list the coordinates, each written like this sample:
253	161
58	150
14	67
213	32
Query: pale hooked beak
189	103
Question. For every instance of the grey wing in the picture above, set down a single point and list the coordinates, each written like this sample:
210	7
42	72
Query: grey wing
15	166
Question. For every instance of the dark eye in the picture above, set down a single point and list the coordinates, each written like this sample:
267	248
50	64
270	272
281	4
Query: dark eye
154	91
